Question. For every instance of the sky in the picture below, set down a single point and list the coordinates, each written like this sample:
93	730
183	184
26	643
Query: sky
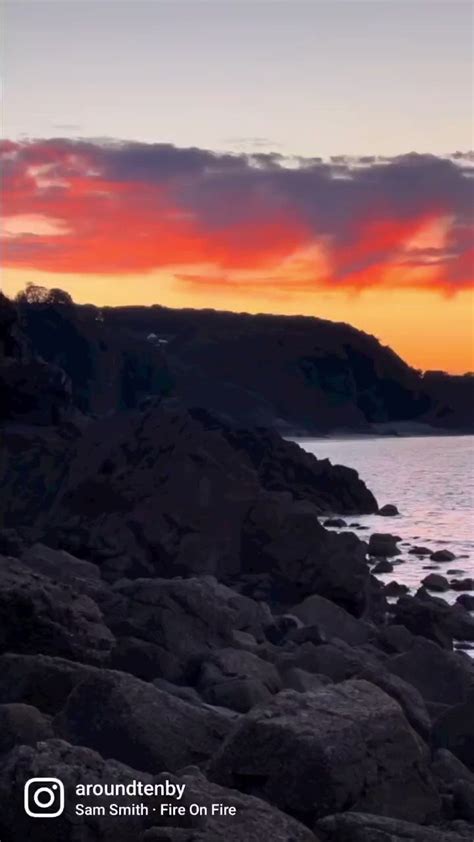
279	156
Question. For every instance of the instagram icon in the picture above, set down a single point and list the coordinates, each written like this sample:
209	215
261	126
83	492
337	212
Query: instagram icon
44	798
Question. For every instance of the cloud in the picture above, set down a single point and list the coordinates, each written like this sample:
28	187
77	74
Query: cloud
126	207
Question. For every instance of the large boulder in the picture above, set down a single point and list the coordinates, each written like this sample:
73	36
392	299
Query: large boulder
340	747
138	724
361	827
38	615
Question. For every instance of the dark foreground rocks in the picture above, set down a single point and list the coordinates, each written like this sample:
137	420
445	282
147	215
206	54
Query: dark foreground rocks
173	608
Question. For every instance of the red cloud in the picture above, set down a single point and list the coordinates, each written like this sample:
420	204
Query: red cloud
128	208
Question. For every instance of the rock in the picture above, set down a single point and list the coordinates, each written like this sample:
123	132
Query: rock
434	582
361	827
433	618
343	746
237	680
72	765
253	821
181	620
335	521
22	725
394	638
454	730
283	465
138	724
332	620
383	566
389	510
383	544
462	584
466	601
58	564
442	555
421	551
463	801
302	681
407	696
285	540
38	615
39	680
145	660
11	543
337	660
439	676
448	769
394	589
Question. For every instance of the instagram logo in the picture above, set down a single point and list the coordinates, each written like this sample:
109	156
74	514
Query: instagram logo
44	798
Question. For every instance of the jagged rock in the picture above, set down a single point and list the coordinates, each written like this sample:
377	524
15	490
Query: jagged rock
138	724
389	510
283	465
38	615
343	746
72	765
383	544
332	620
287	539
22	725
454	730
361	827
440	676
237	680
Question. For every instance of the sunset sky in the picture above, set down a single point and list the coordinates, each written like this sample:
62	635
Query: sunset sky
288	157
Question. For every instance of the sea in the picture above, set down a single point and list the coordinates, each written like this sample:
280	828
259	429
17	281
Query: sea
431	481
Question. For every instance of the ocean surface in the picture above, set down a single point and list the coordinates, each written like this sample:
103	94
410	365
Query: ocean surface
431	481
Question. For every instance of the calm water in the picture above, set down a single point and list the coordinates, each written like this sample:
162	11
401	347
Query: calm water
430	480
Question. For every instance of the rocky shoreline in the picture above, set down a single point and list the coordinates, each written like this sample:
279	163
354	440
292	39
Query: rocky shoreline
175	606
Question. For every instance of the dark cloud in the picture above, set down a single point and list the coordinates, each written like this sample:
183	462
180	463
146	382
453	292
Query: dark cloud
365	207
